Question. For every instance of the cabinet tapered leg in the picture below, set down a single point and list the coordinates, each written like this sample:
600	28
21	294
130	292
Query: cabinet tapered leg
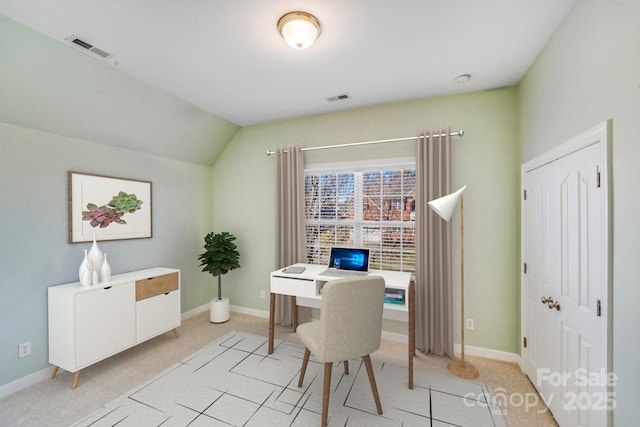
76	376
175	332
75	380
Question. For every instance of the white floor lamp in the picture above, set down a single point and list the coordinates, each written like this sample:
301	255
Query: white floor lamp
444	206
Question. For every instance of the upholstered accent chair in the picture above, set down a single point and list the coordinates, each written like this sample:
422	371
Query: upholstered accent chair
350	327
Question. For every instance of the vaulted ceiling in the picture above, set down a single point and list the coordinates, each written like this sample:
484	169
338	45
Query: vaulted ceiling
226	56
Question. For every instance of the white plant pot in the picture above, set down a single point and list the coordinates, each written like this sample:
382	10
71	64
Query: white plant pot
219	310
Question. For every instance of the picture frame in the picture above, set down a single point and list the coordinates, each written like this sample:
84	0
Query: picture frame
108	208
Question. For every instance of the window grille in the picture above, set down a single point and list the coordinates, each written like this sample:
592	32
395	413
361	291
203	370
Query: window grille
360	205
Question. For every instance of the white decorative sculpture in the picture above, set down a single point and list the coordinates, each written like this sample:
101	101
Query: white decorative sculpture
96	257
85	272
95	277
105	270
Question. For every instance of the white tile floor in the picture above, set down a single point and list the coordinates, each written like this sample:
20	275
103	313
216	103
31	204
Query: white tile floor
234	382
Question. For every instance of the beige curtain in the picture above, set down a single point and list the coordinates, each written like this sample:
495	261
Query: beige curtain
434	318
290	230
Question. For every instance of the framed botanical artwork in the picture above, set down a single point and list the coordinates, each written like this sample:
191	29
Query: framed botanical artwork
109	208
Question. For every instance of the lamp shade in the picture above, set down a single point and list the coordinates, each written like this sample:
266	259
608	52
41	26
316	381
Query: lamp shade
299	29
445	205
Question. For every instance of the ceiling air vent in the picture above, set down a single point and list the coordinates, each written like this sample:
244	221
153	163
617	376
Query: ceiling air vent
88	46
339	97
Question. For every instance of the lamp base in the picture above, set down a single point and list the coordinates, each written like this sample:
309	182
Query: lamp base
463	369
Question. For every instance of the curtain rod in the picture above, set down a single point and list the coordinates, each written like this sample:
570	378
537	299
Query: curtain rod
458	133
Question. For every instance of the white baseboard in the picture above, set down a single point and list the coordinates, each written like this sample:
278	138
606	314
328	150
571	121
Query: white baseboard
487	353
395	337
391	336
404	339
193	312
234	308
43	374
25	382
250	311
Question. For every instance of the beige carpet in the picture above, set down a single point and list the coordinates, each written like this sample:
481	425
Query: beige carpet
235	382
54	403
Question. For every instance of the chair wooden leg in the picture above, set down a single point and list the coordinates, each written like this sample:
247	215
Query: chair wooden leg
346	367
372	381
305	361
325	393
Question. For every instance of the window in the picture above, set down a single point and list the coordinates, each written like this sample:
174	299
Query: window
362	205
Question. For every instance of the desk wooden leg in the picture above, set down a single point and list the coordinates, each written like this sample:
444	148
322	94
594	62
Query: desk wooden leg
294	309
412	330
272	318
55	371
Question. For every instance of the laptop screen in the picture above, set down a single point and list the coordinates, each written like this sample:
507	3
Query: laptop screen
351	259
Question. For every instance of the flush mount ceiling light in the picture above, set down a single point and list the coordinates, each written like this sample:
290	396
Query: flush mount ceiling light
299	29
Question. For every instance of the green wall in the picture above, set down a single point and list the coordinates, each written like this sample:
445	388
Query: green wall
485	159
48	90
48	85
34	253
586	74
590	72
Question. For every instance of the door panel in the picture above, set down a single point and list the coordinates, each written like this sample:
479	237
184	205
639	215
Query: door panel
564	231
532	247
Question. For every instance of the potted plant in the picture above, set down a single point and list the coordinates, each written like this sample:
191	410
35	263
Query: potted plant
220	256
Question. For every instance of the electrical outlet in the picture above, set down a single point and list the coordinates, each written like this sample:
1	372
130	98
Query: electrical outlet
24	349
262	295
470	323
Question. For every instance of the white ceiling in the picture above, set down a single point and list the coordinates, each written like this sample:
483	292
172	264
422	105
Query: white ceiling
226	56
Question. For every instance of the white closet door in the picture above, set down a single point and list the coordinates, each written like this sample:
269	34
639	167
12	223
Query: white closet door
565	284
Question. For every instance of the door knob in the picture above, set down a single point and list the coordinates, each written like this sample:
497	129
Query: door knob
553	305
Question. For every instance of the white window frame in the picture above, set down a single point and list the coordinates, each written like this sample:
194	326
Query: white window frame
361	166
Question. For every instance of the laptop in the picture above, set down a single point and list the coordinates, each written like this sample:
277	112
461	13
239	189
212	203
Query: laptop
345	262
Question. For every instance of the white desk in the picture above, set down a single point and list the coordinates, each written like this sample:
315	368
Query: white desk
305	288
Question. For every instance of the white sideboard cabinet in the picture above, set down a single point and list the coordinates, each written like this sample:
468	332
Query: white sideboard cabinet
89	324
